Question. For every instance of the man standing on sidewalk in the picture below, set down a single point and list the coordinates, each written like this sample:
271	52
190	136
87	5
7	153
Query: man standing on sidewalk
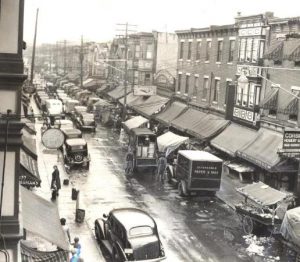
55	182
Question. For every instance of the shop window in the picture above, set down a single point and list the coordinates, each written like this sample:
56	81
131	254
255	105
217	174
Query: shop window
147	79
216	90
231	50
181	50
137	51
205	88
187	84
251	94
198	49
220	49
189	51
208	48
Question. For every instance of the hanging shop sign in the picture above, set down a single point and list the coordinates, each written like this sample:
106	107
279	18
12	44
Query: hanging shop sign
290	143
53	138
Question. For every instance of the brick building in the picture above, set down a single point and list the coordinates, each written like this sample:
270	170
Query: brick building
207	59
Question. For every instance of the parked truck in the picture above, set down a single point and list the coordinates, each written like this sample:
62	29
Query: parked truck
196	172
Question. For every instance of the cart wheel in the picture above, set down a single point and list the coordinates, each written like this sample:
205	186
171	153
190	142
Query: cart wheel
247	225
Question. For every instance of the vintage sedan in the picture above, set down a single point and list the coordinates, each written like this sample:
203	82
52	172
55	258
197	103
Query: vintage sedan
85	121
129	234
75	153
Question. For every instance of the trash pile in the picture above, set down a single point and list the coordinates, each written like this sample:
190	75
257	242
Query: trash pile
258	246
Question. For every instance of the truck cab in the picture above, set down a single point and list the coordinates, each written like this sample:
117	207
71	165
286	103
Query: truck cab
197	172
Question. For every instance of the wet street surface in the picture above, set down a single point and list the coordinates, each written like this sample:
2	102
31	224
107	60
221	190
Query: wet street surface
191	229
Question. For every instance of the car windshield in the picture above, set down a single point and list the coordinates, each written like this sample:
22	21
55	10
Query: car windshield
140	231
75	148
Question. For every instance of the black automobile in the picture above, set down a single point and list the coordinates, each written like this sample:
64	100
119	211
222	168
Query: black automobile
86	121
75	153
130	234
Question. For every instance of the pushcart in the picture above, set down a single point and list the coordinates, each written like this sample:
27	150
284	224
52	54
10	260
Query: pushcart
259	207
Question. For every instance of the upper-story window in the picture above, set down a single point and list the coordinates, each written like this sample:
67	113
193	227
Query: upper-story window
220	49
231	50
179	83
208	48
198	49
216	90
196	86
250	49
181	50
205	88
137	51
189	51
149	51
187	84
248	95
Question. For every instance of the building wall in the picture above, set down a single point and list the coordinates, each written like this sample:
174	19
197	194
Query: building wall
199	67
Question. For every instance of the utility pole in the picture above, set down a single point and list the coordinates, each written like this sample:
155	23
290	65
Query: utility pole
81	56
65	56
126	30
33	49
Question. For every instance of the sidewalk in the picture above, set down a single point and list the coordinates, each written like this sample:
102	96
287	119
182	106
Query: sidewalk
66	206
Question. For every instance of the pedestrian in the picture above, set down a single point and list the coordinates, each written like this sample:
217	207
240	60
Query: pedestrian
75	256
161	167
77	246
55	182
65	229
129	161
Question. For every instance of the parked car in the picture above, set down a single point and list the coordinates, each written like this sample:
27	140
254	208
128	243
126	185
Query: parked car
72	133
70	106
63	124
75	153
130	234
86	121
54	107
77	112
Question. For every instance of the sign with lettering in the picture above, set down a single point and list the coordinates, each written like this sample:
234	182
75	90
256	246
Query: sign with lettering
203	169
248	71
243	114
53	138
250	31
291	140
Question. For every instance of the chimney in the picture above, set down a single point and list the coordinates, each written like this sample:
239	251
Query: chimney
239	14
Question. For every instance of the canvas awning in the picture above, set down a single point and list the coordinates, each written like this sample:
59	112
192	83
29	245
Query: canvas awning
118	92
233	138
208	127
188	119
151	105
169	141
173	111
29	175
262	151
90	82
135	122
102	103
129	99
262	194
290	227
239	167
271	99
29	254
41	217
275	51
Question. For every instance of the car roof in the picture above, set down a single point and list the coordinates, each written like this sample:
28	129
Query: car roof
76	142
63	121
69	131
133	217
197	155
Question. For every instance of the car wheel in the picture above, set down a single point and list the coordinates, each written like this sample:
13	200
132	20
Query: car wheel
116	256
181	189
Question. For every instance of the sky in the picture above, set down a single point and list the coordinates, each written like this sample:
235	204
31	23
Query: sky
97	20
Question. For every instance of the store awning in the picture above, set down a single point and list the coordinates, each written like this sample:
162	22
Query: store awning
29	254
152	105
118	92
173	111
41	217
233	138
90	82
271	99
239	167
129	99
262	194
29	173
188	119
262	151
135	122
208	127
169	141
275	51
102	103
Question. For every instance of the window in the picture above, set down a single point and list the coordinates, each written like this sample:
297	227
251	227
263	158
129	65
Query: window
226	91
205	88
189	51
179	83
181	50
257	96
297	63
208	47
216	90
231	50
261	49
242	94
187	84
242	50
251	94
149	51
220	49
147	79
198	50
250	50
249	44
255	50
196	86
137	51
